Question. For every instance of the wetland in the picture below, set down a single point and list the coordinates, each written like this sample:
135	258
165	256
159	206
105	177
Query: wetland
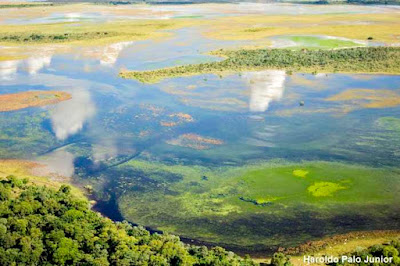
253	135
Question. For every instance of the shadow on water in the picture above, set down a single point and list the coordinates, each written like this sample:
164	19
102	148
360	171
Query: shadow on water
109	208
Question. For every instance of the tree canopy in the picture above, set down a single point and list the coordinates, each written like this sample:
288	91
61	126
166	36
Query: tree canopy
42	226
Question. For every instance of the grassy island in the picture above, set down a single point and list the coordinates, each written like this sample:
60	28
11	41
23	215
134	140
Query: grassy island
16	101
353	60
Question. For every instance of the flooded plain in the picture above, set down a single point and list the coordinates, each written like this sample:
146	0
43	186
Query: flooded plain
250	161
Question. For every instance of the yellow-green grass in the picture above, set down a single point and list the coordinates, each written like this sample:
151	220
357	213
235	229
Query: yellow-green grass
319	42
33	172
87	33
10	53
325	189
300	173
336	245
382	27
10	57
343	244
23	4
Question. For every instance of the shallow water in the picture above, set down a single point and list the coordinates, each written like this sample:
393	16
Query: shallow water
208	11
205	120
256	114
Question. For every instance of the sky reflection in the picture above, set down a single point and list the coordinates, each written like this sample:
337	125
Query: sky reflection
59	162
265	87
68	117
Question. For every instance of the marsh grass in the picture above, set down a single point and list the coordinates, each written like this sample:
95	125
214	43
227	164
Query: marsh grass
380	26
23	5
87	33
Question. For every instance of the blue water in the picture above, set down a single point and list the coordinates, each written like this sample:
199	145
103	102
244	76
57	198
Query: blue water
253	116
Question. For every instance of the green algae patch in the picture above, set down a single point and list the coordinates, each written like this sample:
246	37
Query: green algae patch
300	173
320	42
385	60
389	123
258	205
324	189
265	200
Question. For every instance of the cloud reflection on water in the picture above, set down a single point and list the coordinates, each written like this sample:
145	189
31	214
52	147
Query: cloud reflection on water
68	117
31	65
59	162
265	86
35	63
104	150
111	53
8	69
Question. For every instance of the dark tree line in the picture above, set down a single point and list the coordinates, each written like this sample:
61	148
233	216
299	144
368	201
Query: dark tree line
42	226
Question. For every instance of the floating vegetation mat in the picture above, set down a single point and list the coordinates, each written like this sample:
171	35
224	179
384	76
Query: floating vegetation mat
16	101
258	206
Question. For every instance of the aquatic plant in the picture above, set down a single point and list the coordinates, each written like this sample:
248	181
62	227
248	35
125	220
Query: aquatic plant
255	206
324	189
367	98
389	123
300	173
195	141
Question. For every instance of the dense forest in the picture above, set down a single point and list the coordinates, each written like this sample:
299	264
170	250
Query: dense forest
42	226
353	60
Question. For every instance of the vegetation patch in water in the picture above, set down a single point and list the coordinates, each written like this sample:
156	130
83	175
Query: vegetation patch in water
389	123
195	141
316	42
258	206
16	101
324	189
176	119
353	60
368	98
300	173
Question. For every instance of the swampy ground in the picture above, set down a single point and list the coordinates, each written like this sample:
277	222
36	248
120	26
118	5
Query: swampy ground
251	160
